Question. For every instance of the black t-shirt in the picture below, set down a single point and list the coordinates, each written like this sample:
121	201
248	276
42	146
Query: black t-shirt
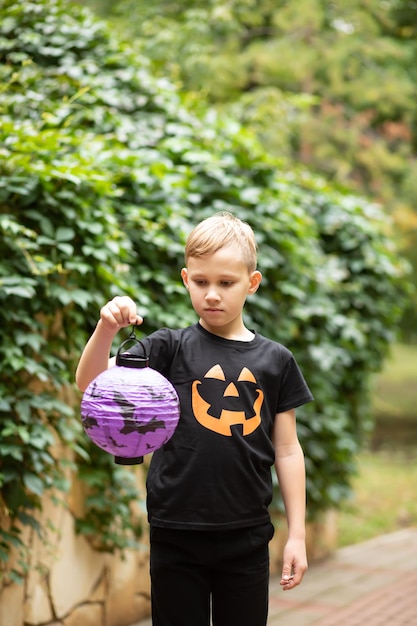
215	472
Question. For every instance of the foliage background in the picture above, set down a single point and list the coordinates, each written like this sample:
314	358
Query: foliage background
104	168
330	85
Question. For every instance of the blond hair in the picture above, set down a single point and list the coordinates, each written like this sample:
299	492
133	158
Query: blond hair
220	231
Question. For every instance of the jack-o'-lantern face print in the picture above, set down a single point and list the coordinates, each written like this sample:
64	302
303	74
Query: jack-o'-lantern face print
219	403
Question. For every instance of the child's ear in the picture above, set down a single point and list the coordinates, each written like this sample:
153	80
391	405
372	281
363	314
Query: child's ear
255	281
184	276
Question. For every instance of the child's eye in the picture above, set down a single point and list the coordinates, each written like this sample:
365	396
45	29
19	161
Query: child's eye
226	283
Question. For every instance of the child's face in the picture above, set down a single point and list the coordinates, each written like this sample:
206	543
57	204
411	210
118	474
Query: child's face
219	284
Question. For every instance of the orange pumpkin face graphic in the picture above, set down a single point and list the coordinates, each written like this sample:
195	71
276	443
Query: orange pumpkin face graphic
227	402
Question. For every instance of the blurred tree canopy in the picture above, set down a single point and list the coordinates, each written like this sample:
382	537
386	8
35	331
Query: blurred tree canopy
331	85
104	169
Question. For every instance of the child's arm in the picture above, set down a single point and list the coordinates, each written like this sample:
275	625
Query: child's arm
290	468
116	314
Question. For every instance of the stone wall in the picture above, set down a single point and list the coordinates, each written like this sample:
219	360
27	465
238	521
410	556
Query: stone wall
71	584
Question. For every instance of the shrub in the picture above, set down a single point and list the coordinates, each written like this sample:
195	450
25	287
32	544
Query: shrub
103	172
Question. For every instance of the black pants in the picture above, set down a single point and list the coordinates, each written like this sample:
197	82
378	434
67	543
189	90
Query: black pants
195	573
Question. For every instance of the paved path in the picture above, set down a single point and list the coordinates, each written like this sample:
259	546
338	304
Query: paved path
372	583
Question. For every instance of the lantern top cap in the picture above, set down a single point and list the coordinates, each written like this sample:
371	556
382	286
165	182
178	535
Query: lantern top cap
125	359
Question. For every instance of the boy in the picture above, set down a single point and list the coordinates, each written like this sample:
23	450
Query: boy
209	487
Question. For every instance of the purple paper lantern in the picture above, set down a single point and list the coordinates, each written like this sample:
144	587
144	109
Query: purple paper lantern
130	409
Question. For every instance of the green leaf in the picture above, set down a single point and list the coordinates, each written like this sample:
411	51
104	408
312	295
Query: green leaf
34	483
64	234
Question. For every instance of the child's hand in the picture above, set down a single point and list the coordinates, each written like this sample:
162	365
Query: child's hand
294	564
118	313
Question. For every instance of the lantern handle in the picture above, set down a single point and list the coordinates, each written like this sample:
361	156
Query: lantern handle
132	360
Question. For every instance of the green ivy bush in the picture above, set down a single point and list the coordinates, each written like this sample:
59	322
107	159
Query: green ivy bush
103	172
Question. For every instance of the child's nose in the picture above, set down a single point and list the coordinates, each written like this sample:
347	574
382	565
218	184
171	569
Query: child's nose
212	295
